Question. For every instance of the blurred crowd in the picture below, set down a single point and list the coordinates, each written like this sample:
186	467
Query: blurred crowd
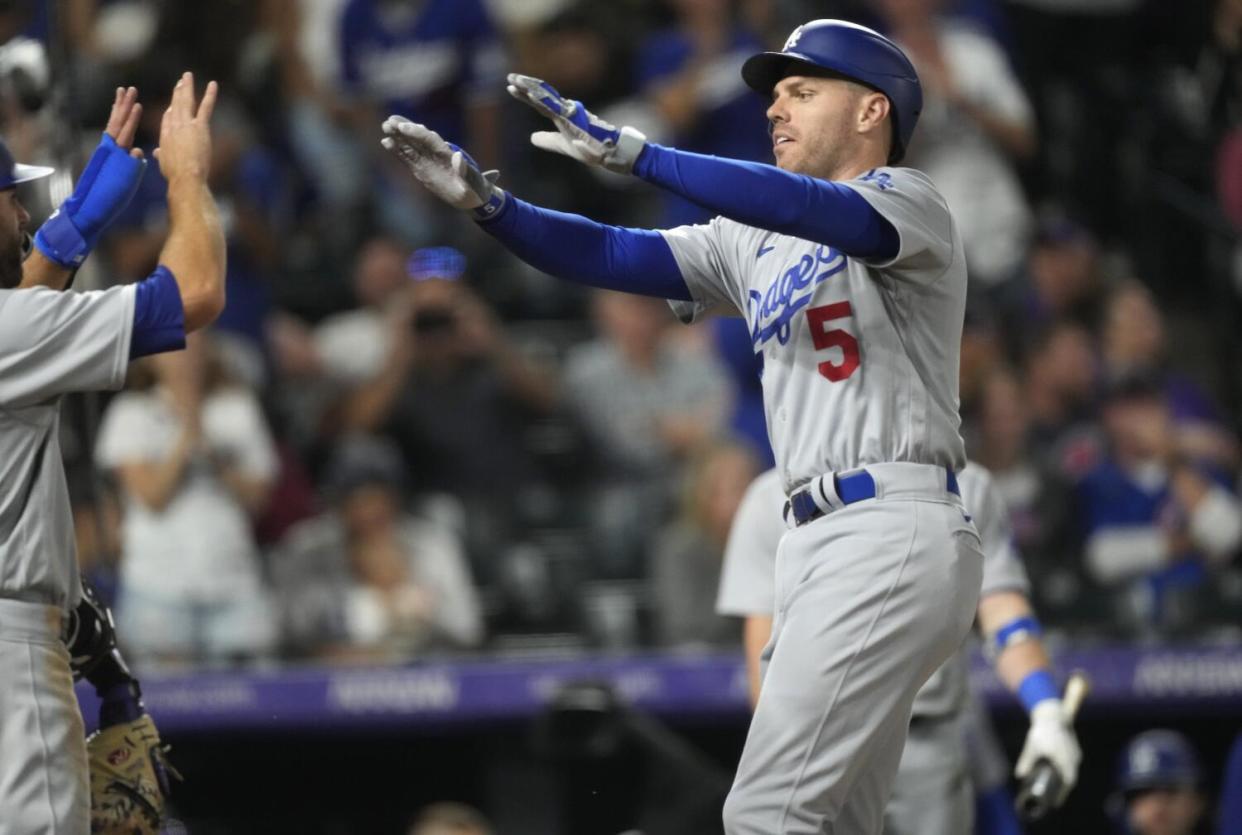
398	439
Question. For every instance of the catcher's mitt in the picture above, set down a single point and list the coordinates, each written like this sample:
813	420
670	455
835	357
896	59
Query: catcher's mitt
129	778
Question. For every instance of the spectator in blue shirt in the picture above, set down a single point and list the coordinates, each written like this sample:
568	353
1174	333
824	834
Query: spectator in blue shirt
1156	522
1230	813
691	75
438	62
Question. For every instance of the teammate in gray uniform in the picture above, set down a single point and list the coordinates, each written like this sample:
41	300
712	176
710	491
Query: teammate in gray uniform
851	275
933	792
53	343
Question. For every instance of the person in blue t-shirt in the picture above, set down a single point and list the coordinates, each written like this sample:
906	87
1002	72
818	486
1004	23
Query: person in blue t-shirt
437	62
1155	521
690	74
1230	812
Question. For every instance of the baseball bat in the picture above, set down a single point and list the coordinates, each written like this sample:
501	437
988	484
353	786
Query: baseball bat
1038	795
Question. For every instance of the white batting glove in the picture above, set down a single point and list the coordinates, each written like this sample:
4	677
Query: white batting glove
579	133
445	170
1051	737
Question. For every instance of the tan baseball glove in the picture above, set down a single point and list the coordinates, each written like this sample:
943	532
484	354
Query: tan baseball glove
129	778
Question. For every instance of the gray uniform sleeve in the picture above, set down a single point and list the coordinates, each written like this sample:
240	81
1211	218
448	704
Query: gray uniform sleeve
909	201
748	577
52	343
1002	565
706	254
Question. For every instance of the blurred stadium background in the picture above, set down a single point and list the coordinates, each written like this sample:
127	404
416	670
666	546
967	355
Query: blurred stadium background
443	529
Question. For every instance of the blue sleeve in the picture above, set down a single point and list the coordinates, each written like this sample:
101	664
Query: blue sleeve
580	250
347	44
159	320
1231	792
994	814
766	197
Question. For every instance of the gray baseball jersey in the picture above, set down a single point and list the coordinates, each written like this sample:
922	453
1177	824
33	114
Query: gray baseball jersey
860	357
51	343
747	577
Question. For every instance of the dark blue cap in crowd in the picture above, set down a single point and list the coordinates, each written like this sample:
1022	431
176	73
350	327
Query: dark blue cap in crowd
441	262
13	172
364	461
1158	759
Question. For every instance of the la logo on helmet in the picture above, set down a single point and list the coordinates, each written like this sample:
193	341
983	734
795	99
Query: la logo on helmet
793	39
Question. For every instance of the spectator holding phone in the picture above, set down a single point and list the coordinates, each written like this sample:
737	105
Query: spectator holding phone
194	460
454	393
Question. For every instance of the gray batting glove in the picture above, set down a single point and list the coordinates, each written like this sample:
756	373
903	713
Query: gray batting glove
579	133
444	169
1051	738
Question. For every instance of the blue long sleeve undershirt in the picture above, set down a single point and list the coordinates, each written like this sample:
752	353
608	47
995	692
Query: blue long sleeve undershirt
640	261
577	249
766	197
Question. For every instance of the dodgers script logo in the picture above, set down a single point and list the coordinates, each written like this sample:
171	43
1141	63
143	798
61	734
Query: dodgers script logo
882	179
771	312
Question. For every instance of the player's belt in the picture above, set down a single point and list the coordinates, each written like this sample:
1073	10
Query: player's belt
854	487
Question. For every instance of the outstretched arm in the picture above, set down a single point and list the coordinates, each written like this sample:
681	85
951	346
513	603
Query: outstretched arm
567	246
577	249
757	195
766	197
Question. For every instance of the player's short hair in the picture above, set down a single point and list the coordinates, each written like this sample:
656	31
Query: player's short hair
450	819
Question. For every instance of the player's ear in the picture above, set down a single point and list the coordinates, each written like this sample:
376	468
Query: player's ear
873	110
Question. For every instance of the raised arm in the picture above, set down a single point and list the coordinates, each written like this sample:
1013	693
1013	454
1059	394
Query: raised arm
102	192
757	195
194	250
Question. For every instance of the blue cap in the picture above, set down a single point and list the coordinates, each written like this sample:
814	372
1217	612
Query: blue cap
1158	759
12	172
441	262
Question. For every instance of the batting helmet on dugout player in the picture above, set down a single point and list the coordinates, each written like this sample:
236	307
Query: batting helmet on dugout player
850	51
13	172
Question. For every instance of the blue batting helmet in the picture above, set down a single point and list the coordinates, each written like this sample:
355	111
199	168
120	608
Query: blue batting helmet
854	52
1158	759
12	172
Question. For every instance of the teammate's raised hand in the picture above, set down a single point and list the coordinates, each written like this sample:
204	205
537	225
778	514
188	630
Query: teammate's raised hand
444	169
185	132
195	251
579	133
123	120
102	192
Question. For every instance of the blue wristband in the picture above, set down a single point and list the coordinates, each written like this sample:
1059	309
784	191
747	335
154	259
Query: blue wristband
1016	630
1037	687
102	192
60	241
491	208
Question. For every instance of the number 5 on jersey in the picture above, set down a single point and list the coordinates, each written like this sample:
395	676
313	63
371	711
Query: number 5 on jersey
824	336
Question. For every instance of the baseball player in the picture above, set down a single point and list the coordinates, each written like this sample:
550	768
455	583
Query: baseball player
1159	787
933	793
851	276
52	343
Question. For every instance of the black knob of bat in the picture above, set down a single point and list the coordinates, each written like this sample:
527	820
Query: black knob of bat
1039	792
